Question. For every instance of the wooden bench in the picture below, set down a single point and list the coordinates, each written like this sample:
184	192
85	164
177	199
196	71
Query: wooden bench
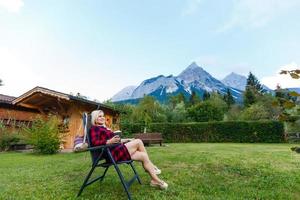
149	138
294	137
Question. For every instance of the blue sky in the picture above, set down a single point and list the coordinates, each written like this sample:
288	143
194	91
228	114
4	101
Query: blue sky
98	47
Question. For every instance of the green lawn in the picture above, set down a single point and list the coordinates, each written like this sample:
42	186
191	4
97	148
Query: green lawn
193	171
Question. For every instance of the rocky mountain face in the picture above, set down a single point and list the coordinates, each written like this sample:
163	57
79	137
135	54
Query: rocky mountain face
236	81
193	78
125	93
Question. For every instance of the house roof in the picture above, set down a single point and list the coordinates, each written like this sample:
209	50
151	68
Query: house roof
6	99
44	97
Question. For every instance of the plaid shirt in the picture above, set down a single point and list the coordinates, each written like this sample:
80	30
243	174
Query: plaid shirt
100	135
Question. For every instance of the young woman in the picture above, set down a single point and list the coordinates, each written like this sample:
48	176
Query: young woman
134	149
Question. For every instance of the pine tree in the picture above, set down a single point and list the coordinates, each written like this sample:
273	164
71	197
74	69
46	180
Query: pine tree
228	98
1	82
206	95
253	90
194	98
249	97
254	83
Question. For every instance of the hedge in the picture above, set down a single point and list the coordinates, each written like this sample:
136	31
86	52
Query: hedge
230	131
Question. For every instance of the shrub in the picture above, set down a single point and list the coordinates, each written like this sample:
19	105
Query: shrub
6	138
234	113
231	131
178	113
44	135
255	112
206	111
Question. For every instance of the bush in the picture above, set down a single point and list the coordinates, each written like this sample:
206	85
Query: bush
255	112
234	113
231	131
206	111
44	135
7	138
178	114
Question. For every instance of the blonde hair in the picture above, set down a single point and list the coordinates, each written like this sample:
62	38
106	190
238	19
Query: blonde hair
94	116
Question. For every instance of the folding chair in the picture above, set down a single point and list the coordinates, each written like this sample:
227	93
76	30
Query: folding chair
98	155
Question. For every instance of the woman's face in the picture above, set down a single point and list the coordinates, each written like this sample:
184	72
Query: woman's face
100	119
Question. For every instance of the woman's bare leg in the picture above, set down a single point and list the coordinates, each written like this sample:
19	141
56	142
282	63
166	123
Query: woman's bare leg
148	166
137	145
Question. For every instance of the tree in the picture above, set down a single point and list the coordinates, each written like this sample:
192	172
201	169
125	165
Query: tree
253	82
234	112
194	99
284	99
176	99
217	100
266	101
284	103
148	110
228	98
1	83
293	73
206	95
178	114
281	93
205	111
249	97
212	109
253	90
254	112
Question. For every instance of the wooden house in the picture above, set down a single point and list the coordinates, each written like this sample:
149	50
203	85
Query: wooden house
40	101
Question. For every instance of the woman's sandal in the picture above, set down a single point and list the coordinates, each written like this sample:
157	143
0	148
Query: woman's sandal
156	170
161	185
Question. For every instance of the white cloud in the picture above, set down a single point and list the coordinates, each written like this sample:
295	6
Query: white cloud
12	5
285	81
191	8
257	13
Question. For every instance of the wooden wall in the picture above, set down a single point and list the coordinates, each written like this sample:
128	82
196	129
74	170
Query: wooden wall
13	113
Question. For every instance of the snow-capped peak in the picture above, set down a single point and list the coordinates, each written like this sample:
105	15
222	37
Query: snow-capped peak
193	78
169	84
124	94
193	73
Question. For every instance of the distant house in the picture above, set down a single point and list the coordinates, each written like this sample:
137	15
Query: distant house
39	101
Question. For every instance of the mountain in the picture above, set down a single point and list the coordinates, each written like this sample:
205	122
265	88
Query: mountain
193	78
236	81
197	78
124	94
239	82
160	87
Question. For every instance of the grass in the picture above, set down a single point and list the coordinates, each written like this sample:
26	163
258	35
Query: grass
193	171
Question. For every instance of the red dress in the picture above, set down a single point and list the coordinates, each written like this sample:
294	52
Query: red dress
99	136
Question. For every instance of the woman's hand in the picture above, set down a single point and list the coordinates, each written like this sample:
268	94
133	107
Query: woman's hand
125	140
115	139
